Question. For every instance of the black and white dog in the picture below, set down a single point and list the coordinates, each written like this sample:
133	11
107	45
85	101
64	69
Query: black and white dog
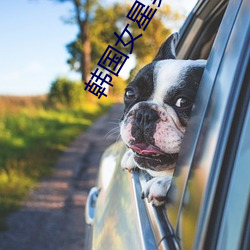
158	103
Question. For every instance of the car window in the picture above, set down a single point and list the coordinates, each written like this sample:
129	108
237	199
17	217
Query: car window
198	33
165	223
235	211
192	132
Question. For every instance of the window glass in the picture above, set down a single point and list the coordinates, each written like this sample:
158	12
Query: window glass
236	207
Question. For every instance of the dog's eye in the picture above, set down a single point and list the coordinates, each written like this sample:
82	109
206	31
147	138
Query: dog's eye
130	94
183	102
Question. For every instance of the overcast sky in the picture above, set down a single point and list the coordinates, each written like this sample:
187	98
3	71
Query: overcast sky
32	44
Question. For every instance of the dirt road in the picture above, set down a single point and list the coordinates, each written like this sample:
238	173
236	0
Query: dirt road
53	218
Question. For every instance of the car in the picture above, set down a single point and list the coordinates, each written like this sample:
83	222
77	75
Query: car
208	203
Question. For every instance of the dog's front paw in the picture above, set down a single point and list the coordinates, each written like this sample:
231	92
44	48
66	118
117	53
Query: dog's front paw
127	162
156	189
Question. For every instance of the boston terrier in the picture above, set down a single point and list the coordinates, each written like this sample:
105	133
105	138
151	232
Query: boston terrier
158	102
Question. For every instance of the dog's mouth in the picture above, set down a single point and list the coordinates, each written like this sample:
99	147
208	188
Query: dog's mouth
149	152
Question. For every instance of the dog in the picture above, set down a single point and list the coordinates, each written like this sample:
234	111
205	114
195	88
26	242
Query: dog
158	102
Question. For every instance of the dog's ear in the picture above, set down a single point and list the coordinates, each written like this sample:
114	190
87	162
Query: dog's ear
167	49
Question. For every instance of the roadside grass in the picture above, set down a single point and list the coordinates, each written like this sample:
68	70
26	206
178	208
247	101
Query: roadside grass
32	137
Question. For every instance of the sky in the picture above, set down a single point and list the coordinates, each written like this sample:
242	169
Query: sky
32	44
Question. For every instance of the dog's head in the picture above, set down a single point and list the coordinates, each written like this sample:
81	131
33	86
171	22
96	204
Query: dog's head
158	103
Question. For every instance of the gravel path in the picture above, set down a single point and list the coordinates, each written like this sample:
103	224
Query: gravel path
53	218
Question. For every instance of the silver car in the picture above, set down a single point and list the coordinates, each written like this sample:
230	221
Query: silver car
208	203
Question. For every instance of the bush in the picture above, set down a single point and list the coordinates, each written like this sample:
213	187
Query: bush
66	93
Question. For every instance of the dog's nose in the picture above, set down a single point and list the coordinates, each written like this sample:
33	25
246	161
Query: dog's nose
145	117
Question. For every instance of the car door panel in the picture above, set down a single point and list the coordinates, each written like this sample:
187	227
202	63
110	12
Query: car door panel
120	220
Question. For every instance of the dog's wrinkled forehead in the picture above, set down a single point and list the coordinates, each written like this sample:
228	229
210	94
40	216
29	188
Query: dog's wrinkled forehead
172	74
164	80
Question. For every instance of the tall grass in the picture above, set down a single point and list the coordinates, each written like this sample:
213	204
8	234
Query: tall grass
31	139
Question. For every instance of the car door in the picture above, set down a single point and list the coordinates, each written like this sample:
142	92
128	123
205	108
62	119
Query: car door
211	194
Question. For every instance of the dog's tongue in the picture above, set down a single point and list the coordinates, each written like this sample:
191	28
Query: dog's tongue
145	149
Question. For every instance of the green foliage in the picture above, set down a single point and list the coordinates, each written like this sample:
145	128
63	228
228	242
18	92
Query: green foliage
67	93
31	139
113	19
98	23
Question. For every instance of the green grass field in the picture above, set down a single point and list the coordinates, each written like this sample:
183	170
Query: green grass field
31	139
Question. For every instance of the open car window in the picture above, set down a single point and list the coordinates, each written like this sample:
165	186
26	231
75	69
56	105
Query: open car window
212	25
204	91
195	42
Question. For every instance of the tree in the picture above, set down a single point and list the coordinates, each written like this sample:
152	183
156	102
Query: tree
113	19
101	32
97	25
83	16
